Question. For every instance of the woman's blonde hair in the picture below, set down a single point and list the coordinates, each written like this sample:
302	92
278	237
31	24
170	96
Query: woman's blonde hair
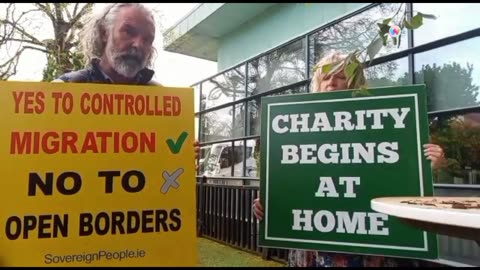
333	57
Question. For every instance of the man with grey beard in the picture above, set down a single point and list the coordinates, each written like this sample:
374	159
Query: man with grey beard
118	46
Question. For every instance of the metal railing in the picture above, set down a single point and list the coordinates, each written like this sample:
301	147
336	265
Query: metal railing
224	214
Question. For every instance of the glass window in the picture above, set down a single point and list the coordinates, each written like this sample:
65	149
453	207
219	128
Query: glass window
452	19
224	88
356	33
238	155
239	121
254	107
218	160
451	74
217	125
279	68
253	121
389	74
253	158
459	136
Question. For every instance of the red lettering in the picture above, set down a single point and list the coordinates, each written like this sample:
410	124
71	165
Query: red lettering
39	99
69	140
167	105
50	146
56	96
116	143
119	98
149	109
107	104
97	104
134	145
90	143
177	106
139	105
20	144
17	96
103	137
67	103
85	109
158	110
36	142
146	141
29	98
129	104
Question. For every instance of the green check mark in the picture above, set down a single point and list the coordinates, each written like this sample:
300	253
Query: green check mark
176	146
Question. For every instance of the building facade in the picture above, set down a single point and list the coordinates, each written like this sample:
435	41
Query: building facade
270	49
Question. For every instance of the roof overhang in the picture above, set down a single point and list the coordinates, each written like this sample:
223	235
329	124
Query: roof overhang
198	33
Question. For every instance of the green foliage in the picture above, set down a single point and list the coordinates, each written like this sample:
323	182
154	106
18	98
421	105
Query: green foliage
461	144
64	62
353	67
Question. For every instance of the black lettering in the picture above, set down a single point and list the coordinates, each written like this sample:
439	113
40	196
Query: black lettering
109	175
59	225
30	225
175	217
117	221
77	183
13	234
86	227
34	180
147	220
126	181
161	219
43	225
106	222
132	227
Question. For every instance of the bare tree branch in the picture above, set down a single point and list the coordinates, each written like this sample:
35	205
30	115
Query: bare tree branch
75	9
48	11
86	8
17	35
22	31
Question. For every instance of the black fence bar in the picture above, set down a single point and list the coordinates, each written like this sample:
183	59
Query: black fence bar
224	214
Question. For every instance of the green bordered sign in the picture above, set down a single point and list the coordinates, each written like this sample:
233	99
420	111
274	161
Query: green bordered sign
325	156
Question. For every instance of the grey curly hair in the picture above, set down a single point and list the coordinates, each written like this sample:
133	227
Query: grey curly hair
92	44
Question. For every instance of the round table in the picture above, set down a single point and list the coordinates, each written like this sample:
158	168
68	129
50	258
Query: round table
452	216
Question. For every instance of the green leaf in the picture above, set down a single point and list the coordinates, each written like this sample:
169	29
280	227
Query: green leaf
415	23
427	16
336	66
384	39
407	24
363	91
386	21
374	47
350	69
399	39
326	68
384	28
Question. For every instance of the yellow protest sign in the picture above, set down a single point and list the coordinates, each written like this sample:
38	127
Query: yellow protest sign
97	175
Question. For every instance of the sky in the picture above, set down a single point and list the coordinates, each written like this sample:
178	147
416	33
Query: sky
171	69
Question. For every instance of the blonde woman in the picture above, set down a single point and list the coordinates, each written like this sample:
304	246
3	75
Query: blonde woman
322	82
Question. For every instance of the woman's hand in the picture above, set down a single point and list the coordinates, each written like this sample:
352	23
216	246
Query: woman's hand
257	209
196	148
434	153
